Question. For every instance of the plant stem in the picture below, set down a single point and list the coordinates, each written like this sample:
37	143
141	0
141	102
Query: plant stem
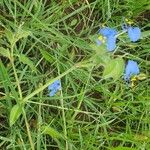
28	129
15	72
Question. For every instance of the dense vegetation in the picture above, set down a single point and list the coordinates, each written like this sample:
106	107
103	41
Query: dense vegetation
93	108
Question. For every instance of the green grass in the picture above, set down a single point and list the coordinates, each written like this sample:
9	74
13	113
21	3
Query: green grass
43	40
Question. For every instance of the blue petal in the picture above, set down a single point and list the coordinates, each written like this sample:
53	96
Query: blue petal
54	87
134	33
50	87
131	69
58	87
57	84
108	32
111	43
52	92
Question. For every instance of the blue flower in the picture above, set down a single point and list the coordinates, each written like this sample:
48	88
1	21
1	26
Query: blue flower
134	33
131	69
110	35
106	31
54	87
111	43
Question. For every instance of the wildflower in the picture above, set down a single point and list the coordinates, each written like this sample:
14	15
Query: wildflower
134	33
54	87
106	32
131	69
110	35
111	43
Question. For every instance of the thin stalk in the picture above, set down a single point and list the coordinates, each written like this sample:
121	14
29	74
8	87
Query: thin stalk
39	124
63	113
15	72
82	98
28	130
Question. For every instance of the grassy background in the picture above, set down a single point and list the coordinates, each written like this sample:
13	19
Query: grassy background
89	113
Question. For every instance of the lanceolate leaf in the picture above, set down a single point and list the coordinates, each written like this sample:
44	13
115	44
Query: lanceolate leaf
46	55
9	36
7	84
73	22
123	148
114	69
4	52
51	131
24	59
21	34
14	114
13	37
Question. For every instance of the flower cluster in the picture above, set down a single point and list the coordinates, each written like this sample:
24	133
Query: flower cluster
108	36
54	87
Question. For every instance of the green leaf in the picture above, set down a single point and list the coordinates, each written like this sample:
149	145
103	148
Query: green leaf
51	131
140	137
73	22
24	59
100	50
145	34
7	85
123	148
21	34
114	69
46	55
9	36
101	59
101	56
13	37
4	52
14	114
81	43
